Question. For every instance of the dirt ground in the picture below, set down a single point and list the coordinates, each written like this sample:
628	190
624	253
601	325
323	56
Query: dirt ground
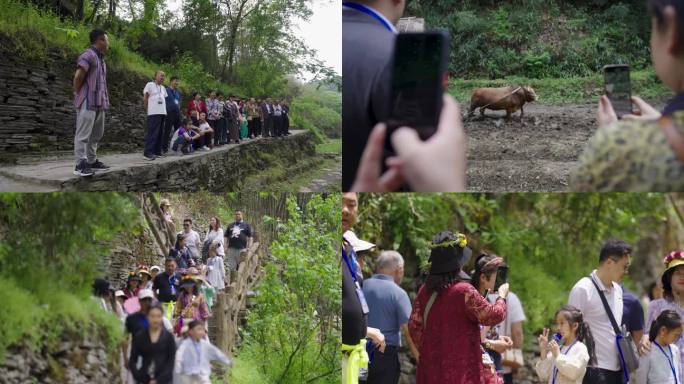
537	155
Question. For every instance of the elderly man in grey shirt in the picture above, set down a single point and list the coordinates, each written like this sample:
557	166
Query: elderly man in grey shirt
390	309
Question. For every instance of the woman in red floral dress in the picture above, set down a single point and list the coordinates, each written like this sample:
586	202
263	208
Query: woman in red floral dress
448	339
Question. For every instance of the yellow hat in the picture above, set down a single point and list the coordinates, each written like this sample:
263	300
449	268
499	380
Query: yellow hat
673	259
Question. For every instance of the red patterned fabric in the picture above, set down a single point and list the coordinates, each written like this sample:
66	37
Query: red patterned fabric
449	345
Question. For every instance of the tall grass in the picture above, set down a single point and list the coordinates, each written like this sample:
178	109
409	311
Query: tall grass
573	89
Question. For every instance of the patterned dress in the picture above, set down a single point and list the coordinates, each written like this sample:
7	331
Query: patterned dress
449	344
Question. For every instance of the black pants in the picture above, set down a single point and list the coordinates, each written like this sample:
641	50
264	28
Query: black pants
205	140
286	125
603	376
171	123
250	128
153	138
385	368
257	126
508	378
221	133
268	127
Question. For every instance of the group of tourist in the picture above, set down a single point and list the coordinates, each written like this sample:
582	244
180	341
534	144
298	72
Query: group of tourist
209	123
165	313
203	125
601	336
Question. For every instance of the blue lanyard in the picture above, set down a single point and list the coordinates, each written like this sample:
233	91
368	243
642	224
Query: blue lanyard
555	370
370	12
351	270
669	360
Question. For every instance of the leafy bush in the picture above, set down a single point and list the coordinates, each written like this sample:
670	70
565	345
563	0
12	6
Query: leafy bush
49	256
318	111
535	38
296	315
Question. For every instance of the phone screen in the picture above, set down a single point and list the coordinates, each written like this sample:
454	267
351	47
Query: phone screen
618	88
420	61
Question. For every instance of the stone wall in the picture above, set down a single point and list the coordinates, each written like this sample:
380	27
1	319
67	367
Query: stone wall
74	360
217	171
36	103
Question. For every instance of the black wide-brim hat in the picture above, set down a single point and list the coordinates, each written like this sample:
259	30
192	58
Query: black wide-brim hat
448	258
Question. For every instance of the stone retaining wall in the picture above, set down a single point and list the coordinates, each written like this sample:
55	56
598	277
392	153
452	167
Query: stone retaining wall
36	104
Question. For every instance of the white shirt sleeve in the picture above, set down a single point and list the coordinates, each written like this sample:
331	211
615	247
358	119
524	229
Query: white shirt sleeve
148	89
544	367
573	365
515	311
578	298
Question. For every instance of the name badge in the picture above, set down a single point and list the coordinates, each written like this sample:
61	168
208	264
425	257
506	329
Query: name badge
159	102
176	101
362	299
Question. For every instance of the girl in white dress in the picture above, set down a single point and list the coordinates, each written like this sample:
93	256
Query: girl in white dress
216	274
564	359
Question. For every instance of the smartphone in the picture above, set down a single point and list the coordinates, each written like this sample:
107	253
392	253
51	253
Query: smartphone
501	277
419	65
617	87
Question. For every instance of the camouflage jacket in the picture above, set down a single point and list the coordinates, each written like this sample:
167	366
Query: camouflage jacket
630	156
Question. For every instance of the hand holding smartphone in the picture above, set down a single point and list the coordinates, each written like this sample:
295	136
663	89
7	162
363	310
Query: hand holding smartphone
617	87
417	86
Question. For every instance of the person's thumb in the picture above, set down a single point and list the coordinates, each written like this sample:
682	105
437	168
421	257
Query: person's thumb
405	141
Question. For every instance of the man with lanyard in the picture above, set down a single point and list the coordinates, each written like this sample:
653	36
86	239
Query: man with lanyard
91	100
172	121
155	105
367	31
614	261
354	308
166	285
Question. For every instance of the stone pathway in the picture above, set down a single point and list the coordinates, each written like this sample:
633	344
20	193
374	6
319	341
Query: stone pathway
57	174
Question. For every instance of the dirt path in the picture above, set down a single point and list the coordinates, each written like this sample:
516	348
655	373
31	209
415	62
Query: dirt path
538	155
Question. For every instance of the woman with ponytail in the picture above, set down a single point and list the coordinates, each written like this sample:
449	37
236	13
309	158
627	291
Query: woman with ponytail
660	365
564	359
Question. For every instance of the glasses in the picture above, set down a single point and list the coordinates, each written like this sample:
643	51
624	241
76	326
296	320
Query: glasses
186	225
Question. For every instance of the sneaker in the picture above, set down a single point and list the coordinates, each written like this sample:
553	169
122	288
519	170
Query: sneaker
149	157
83	169
163	154
98	165
205	148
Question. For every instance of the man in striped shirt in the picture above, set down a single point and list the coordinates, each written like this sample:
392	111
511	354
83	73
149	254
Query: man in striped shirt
90	100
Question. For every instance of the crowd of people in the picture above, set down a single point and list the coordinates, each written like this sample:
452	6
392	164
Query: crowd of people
467	328
165	313
642	152
202	124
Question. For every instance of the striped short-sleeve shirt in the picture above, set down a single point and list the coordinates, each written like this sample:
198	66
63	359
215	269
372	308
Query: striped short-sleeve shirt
94	88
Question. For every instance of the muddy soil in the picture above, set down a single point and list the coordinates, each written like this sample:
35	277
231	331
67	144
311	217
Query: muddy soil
536	155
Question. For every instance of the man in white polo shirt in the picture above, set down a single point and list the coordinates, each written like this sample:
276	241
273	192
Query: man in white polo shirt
614	261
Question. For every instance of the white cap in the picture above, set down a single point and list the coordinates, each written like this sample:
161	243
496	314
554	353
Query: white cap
119	293
145	293
155	267
356	243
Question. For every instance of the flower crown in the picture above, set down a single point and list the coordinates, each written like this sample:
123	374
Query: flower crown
672	256
460	240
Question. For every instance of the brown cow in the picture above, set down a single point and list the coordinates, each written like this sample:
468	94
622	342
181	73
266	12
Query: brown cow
509	98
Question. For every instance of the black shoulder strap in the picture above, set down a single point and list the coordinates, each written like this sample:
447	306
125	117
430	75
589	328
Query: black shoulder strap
606	307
